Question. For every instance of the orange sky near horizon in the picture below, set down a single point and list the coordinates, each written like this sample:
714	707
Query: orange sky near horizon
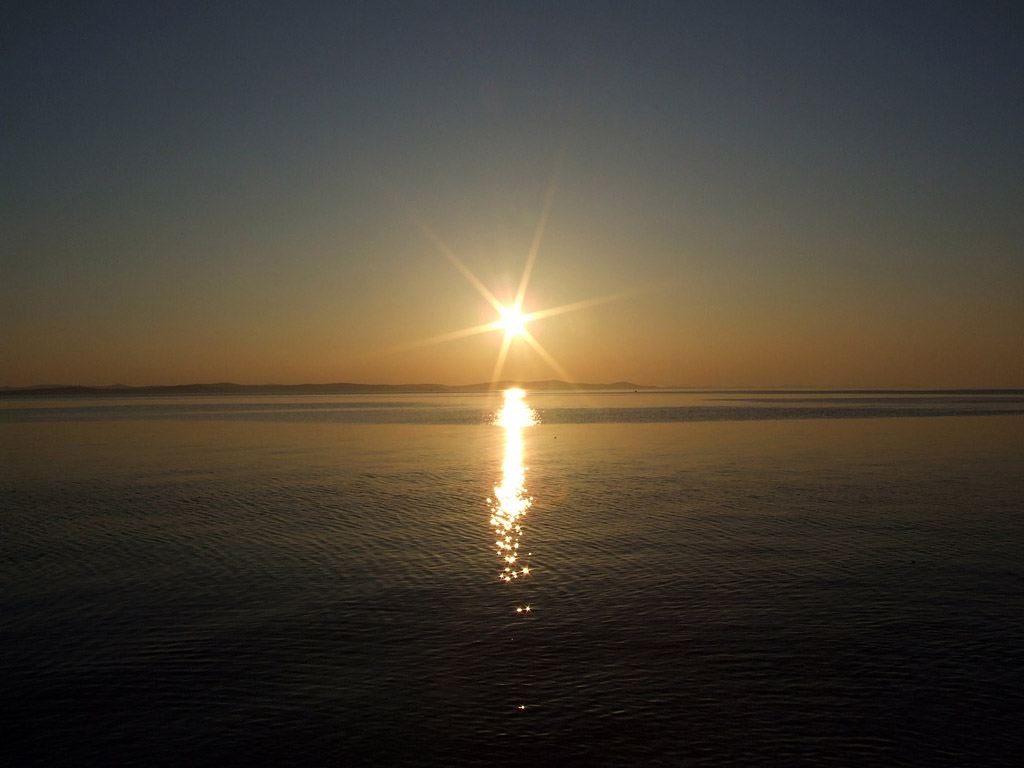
777	198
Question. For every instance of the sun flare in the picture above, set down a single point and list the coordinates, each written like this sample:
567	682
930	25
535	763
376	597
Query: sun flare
513	321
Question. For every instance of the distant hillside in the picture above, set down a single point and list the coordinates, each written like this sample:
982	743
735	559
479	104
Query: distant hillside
227	388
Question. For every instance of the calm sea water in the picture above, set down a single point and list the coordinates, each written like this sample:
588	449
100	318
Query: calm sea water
699	579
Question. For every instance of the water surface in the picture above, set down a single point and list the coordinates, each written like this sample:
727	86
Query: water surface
713	578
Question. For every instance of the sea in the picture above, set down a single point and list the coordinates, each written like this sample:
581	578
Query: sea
689	578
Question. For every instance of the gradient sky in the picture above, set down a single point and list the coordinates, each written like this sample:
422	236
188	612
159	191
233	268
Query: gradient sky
819	193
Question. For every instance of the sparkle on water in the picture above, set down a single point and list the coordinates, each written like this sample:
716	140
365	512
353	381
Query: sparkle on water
510	500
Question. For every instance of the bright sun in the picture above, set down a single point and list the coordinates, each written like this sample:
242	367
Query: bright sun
512	321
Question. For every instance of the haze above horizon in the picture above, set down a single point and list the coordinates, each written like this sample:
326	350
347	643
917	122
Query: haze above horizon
708	195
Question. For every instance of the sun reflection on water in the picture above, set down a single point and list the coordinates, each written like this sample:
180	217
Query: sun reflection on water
510	500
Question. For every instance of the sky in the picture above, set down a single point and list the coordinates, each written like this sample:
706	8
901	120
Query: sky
722	194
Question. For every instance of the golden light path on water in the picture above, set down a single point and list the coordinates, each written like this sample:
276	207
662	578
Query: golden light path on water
511	501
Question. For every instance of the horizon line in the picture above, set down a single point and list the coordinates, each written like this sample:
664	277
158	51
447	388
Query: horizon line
218	387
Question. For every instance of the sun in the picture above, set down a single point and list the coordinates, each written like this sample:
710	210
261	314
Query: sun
513	321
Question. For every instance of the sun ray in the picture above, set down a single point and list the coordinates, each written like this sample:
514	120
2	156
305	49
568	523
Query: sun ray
451	336
459	265
447	252
531	257
539	349
510	318
572	307
500	364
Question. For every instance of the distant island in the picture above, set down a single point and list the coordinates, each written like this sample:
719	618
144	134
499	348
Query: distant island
227	388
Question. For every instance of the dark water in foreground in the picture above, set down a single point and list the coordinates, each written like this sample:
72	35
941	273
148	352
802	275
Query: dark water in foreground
713	579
